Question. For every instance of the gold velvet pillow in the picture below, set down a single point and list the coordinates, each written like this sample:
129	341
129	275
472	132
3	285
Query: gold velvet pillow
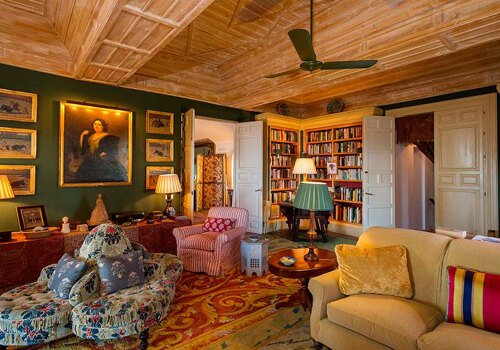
373	270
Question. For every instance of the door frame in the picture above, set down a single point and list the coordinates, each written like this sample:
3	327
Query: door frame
490	144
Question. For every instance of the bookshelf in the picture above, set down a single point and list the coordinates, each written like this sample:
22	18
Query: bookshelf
283	151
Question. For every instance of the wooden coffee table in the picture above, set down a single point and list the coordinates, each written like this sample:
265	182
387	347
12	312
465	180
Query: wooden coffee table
303	269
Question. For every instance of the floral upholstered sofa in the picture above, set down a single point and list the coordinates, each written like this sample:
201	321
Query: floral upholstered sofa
34	313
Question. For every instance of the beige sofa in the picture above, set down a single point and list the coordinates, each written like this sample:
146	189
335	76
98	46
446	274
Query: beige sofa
369	321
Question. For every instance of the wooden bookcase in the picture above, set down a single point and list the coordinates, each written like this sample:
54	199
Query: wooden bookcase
283	151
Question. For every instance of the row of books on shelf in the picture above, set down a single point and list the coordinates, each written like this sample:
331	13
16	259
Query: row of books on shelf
283	148
281	173
350	174
316	136
277	184
286	196
350	161
347	146
349	132
345	213
319	148
283	135
282	160
349	194
321	160
321	174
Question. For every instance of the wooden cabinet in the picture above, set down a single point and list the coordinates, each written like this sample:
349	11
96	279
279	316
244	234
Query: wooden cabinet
283	151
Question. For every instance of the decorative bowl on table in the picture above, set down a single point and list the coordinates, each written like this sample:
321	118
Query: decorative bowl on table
39	232
287	260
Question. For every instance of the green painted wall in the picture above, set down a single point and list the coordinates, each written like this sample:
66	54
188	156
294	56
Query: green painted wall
77	203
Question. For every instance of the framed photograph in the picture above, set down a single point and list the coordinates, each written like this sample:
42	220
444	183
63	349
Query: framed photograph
21	178
159	150
17	143
18	106
159	122
31	216
95	146
331	168
152	173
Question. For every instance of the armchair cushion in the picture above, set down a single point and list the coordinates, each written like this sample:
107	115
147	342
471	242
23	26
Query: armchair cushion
85	287
121	272
68	270
218	224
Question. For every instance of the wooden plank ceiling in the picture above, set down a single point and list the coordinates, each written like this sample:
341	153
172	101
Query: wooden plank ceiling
221	51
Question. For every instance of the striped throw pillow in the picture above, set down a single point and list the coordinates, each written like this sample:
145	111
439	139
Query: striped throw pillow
473	298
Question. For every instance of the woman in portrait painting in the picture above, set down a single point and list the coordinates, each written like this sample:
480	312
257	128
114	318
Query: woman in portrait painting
100	155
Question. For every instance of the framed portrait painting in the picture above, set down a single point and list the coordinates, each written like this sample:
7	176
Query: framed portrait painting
95	146
159	122
159	150
17	143
31	216
21	178
18	106
152	173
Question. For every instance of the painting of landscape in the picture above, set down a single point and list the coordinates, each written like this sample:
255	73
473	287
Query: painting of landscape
21	178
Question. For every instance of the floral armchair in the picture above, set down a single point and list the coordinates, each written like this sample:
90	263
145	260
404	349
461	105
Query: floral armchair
33	313
202	249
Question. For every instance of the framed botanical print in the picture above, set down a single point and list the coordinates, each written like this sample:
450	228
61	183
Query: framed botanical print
17	143
95	146
159	122
18	106
152	173
159	150
21	178
31	216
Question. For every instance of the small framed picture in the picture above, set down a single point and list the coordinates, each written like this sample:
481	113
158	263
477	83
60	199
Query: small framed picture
21	178
159	150
159	122
17	143
31	216
331	168
18	106
152	173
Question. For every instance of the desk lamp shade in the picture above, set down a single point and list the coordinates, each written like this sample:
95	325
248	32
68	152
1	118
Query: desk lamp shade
304	166
312	196
5	188
168	184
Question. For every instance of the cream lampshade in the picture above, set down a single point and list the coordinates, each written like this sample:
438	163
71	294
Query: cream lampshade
5	188
304	166
168	184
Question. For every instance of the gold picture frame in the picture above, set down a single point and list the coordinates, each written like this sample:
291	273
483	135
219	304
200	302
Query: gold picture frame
17	143
152	173
21	178
159	122
159	150
95	145
17	105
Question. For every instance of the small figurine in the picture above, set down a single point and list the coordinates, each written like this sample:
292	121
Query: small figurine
99	214
65	225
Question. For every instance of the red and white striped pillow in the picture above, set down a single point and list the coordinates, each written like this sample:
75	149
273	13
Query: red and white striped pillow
218	224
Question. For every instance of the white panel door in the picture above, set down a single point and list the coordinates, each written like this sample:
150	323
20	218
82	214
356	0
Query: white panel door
379	141
248	171
458	164
187	173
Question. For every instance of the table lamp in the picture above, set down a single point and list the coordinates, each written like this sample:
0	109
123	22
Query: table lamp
5	193
168	184
304	166
312	196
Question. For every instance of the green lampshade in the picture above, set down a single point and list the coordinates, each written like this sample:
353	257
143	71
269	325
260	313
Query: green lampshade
313	196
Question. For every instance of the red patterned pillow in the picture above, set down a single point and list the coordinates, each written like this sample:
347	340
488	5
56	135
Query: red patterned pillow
218	224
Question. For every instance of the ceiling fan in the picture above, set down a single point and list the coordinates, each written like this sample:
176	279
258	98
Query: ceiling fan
302	41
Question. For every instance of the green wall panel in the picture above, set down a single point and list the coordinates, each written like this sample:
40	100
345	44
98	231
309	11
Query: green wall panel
77	203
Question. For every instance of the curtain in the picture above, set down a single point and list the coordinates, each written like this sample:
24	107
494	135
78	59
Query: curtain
418	130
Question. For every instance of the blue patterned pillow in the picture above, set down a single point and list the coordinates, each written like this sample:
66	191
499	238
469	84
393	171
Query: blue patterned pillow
122	271
68	271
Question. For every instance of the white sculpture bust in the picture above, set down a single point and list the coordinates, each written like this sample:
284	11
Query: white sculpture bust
99	214
65	225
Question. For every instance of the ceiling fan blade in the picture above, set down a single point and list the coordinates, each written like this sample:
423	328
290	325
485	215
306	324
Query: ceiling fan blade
301	40
283	73
348	64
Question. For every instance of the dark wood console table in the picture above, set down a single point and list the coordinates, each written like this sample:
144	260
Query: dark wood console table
21	259
293	216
